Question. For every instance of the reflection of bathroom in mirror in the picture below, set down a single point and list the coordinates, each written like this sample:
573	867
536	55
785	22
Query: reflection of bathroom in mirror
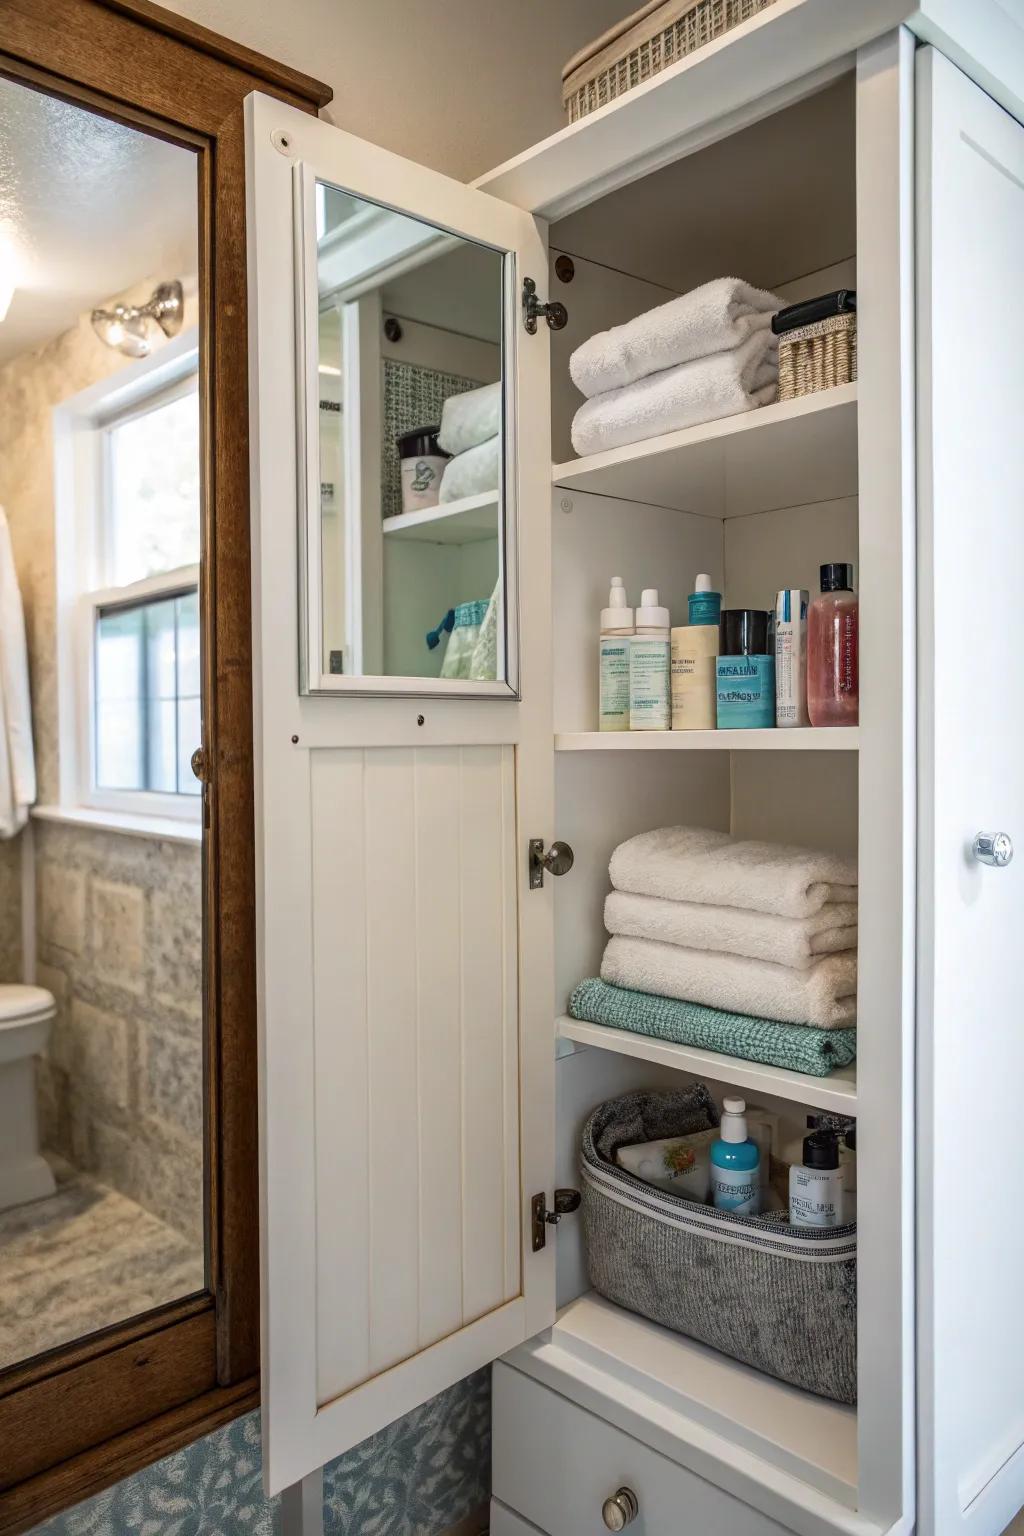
101	1012
411	447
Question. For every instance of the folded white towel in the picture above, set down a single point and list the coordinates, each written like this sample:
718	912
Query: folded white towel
695	864
725	384
715	317
470	418
472	472
794	941
824	995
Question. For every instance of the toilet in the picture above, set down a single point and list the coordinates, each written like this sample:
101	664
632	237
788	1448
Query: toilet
26	1017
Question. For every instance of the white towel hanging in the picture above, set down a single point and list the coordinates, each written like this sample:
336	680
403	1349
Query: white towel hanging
17	755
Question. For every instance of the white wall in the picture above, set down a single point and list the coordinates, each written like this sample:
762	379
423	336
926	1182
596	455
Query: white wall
460	85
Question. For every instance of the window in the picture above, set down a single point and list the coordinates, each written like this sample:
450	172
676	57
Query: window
129	506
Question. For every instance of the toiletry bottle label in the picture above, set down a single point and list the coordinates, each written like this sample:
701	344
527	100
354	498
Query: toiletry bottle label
745	692
846	653
614	685
815	1197
649	706
736	1189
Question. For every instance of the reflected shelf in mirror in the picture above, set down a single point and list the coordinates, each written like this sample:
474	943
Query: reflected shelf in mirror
467	521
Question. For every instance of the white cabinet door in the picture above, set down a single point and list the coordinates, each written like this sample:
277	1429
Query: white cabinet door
404	964
971	1013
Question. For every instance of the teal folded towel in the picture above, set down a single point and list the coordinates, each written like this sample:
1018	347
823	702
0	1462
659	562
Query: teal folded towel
796	1046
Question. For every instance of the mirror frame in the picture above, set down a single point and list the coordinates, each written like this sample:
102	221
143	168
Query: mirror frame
87	1414
313	681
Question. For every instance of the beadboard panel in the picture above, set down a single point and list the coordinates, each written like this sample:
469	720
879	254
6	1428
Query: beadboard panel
416	1044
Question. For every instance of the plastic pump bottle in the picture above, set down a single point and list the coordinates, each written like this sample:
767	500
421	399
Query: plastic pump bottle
832	638
650	707
613	672
736	1163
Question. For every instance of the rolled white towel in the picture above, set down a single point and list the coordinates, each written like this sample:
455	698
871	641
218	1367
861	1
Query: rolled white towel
825	995
698	865
473	472
470	418
706	389
798	942
715	317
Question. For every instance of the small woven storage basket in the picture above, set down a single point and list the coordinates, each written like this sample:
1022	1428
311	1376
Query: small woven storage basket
659	34
818	356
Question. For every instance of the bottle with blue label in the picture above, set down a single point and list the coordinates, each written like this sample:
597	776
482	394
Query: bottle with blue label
745	671
735	1163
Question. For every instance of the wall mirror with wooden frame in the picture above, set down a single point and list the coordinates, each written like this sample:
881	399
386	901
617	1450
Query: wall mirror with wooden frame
128	1166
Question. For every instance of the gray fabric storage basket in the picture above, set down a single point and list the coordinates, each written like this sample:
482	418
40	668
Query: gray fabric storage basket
779	1298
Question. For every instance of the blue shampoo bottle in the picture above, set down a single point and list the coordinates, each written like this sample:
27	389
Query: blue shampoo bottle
735	1163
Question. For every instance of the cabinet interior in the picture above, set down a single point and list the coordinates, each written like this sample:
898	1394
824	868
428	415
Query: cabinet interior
776	205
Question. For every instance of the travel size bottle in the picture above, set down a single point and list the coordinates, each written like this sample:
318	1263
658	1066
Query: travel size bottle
735	1163
613	674
816	1187
833	690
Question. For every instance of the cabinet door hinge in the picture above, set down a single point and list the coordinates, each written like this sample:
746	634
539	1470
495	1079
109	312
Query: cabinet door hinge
556	314
566	1201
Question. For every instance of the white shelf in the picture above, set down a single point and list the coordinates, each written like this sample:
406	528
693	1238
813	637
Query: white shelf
453	522
791	453
799	739
721	87
836	1093
699	1407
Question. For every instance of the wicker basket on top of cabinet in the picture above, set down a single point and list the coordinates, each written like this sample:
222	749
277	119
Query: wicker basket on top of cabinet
659	34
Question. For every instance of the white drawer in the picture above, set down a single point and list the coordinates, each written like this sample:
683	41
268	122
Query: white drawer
504	1522
555	1464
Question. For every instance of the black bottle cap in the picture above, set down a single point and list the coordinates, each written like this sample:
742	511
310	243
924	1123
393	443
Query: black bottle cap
850	1137
420	442
743	632
837	577
821	1150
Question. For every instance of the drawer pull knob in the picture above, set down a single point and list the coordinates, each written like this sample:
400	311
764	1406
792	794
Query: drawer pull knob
620	1510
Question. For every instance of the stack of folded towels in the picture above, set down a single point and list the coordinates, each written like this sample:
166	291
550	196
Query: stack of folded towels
745	948
707	354
471	433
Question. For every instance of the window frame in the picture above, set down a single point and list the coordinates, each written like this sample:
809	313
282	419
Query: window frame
83	524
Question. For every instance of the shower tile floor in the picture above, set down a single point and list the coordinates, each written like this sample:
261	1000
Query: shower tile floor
81	1260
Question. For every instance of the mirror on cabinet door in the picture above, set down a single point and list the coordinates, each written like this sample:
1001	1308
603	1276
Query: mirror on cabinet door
406	519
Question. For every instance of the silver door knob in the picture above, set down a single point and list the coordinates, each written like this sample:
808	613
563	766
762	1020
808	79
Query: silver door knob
557	860
993	848
620	1510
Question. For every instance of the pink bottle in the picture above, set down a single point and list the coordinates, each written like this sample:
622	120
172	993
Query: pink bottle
833	694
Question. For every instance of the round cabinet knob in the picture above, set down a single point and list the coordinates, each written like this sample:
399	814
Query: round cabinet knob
559	859
993	848
620	1510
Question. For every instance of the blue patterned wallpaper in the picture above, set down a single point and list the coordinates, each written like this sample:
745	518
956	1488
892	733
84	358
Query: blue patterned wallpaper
418	1477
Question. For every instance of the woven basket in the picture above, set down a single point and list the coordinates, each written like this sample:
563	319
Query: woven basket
659	34
818	356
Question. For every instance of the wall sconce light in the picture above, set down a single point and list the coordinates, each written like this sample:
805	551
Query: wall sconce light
126	326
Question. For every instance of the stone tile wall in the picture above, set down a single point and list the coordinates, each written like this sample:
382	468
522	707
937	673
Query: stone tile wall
119	945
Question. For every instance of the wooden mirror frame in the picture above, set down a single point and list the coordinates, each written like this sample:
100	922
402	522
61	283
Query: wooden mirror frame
83	1416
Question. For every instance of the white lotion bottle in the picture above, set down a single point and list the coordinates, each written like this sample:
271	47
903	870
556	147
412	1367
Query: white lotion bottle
816	1187
613	669
650	701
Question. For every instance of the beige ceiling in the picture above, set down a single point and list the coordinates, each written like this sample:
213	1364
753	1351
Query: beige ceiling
89	208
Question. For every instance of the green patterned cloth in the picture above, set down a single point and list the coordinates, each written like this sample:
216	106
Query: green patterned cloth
796	1046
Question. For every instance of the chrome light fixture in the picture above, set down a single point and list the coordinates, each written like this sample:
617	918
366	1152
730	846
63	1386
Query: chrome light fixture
126	326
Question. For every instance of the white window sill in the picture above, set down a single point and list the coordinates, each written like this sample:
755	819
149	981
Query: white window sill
166	829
